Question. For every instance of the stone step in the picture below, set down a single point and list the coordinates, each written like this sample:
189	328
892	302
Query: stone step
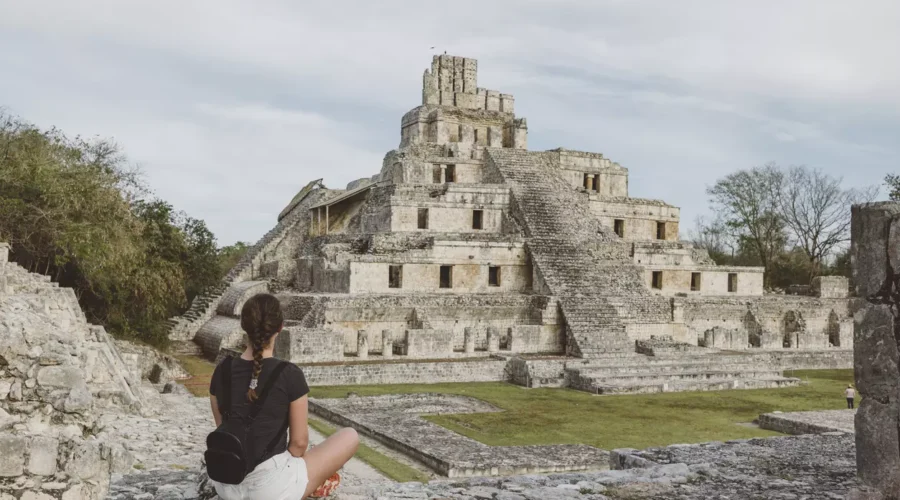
702	385
678	376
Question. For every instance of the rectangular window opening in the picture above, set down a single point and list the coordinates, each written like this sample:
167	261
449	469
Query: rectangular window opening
395	276
494	276
695	282
450	173
732	282
423	218
477	219
619	227
476	136
446	276
660	230
657	280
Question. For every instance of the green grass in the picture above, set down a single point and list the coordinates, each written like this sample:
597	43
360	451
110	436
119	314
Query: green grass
201	372
391	468
561	416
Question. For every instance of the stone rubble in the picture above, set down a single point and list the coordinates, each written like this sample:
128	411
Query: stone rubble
57	374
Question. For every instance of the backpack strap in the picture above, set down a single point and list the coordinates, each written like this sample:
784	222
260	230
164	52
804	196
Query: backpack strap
258	404
225	403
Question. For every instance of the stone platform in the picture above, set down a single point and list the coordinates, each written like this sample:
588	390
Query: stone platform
396	421
809	422
791	467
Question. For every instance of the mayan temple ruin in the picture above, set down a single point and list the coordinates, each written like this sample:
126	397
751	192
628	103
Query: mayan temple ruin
467	257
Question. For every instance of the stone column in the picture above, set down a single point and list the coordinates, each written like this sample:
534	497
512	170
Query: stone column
443	174
4	253
493	339
469	341
590	182
875	254
387	344
362	345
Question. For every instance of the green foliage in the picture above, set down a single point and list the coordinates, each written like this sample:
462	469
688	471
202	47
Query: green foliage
893	183
73	209
230	255
794	222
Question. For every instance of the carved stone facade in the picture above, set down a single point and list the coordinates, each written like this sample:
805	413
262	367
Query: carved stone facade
468	245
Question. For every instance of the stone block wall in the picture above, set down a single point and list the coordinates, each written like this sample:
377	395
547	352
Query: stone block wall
428	344
875	254
302	345
640	217
56	373
830	287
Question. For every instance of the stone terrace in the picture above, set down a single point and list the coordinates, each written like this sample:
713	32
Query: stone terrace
396	421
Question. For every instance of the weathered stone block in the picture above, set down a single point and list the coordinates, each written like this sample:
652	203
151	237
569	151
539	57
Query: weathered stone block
875	354
4	253
874	245
493	339
469	340
85	462
42	460
429	343
387	344
525	338
362	344
877	443
12	455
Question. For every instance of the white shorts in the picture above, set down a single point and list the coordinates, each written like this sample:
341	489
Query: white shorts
282	477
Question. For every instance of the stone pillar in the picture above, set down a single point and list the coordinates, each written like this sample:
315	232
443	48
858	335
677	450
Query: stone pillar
443	174
4	253
590	182
875	254
387	344
469	341
493	339
362	344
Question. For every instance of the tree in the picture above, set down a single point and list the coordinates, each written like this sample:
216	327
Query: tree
893	183
74	209
816	210
230	255
746	201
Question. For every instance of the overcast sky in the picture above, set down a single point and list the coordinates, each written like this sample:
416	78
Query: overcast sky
230	106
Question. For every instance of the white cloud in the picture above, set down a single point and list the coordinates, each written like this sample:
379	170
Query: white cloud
232	106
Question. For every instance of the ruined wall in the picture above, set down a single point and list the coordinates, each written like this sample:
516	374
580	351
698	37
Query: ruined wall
713	280
640	217
57	372
773	322
875	253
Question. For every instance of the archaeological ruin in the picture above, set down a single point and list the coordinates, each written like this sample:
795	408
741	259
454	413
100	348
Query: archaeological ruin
468	257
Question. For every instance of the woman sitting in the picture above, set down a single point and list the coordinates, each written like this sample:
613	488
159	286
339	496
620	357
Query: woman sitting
285	471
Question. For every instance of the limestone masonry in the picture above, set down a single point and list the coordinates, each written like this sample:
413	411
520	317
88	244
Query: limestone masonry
468	257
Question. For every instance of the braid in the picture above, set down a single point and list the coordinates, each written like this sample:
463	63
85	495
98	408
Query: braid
261	318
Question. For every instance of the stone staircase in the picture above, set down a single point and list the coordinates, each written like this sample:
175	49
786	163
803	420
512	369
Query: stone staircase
203	307
639	374
578	260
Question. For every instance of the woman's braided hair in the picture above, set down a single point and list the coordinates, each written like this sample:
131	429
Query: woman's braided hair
261	319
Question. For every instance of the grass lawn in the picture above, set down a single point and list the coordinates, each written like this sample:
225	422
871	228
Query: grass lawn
391	468
201	372
560	416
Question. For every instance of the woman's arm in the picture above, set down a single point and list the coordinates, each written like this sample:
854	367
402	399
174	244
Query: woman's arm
298	424
215	410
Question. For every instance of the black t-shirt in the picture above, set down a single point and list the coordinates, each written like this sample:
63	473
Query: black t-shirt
290	386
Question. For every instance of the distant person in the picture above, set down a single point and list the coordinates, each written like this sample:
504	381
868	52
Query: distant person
850	394
248	456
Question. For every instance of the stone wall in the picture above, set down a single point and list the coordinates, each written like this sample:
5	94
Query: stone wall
56	373
875	254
